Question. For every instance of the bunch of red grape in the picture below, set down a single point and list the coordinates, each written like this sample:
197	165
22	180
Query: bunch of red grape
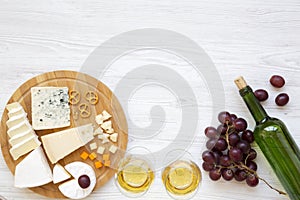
229	153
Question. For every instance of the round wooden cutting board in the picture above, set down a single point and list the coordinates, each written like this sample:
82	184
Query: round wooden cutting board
81	83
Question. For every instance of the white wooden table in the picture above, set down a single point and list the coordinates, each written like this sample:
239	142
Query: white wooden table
251	38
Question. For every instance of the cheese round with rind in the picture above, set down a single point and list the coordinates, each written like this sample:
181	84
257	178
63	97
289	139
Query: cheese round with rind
72	189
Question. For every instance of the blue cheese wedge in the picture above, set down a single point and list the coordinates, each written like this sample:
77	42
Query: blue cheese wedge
50	107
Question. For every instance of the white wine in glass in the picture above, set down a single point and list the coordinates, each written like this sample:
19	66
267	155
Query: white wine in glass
134	176
181	179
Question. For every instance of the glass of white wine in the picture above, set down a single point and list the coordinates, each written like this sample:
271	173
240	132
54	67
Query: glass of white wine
181	177
135	174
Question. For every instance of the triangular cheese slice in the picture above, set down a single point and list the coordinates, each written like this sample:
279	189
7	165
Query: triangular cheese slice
60	174
33	170
60	144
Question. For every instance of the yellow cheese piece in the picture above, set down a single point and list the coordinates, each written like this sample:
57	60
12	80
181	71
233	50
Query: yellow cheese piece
60	144
24	147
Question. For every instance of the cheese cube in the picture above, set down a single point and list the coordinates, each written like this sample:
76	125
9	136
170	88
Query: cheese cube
84	155
111	130
105	139
93	146
107	163
106	125
105	115
50	107
101	136
114	137
99	119
100	150
98	164
113	149
105	156
98	131
92	156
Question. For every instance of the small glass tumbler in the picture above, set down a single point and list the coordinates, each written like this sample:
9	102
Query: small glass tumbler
135	174
181	177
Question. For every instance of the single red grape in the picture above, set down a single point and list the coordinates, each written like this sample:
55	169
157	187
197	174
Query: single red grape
248	136
252	165
227	174
215	174
233	139
222	129
252	154
211	143
277	81
282	99
240	124
240	175
211	132
207	166
224	117
221	144
208	157
84	181
225	161
261	94
235	154
244	146
252	180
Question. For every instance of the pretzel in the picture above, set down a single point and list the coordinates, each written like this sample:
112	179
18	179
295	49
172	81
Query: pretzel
84	110
91	97
74	97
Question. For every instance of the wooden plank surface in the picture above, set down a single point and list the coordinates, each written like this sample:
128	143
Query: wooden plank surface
252	38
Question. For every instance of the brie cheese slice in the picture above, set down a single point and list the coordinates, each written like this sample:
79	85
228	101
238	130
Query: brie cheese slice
33	170
17	139
13	106
24	147
20	128
16	120
16	112
60	174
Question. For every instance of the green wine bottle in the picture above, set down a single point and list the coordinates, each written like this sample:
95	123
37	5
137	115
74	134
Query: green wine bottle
275	142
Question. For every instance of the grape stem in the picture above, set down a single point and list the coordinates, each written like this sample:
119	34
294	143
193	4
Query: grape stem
244	167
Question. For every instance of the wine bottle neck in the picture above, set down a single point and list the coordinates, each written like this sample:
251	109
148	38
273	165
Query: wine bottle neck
258	112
